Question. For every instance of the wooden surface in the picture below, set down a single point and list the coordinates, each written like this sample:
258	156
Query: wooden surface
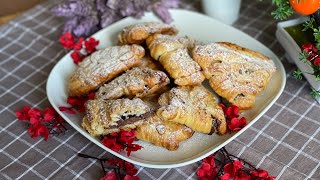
10	9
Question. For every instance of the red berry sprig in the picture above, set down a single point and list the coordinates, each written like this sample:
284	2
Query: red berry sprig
232	116
121	141
115	169
230	167
81	48
312	53
41	123
77	103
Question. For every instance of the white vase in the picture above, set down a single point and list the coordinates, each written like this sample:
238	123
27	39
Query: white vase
226	11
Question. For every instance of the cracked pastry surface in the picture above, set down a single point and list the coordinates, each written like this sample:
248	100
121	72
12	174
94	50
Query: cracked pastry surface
149	62
182	68
163	133
193	106
137	82
102	66
104	117
138	33
160	43
234	72
172	53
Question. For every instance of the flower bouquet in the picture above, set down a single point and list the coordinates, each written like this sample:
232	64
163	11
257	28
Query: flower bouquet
301	38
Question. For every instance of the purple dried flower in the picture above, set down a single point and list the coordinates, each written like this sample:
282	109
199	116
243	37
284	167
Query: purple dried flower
128	7
170	3
109	17
162	12
114	4
70	25
86	26
85	17
73	8
101	5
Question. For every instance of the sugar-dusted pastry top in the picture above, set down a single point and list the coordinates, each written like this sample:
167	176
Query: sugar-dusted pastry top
104	117
137	82
138	33
149	62
193	106
160	44
102	66
163	133
172	53
234	72
182	68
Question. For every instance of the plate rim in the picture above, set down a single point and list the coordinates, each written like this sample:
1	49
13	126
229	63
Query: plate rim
184	163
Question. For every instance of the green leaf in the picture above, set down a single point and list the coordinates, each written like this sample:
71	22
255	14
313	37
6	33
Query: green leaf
297	74
315	94
317	76
308	24
303	56
280	2
282	12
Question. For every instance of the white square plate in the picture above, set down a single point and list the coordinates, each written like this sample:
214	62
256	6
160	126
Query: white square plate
196	26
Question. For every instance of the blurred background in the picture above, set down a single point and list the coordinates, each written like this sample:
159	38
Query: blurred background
9	9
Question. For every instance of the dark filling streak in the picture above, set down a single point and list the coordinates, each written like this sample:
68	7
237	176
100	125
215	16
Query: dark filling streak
238	96
125	120
215	125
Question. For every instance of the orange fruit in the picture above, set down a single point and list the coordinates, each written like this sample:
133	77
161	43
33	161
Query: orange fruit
305	7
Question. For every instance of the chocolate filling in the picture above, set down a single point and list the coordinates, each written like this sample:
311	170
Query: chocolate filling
215	125
125	120
238	96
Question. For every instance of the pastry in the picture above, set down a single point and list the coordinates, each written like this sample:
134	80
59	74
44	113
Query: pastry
234	72
149	62
163	133
104	117
193	106
173	54
138	33
102	66
182	68
152	99
137	82
160	44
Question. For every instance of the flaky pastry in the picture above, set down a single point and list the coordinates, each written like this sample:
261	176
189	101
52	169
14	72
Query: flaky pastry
234	72
137	82
138	33
102	66
163	133
193	106
104	117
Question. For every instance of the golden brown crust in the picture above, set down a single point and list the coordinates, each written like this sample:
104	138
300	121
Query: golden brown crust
102	66
172	52
137	82
182	68
149	62
163	133
138	33
104	117
193	106
160	44
235	73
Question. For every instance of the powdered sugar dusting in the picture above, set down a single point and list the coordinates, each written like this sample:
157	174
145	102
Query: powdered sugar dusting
104	62
237	72
182	63
161	128
150	27
135	82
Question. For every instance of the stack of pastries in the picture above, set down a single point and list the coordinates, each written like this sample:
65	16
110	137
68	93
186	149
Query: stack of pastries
152	82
